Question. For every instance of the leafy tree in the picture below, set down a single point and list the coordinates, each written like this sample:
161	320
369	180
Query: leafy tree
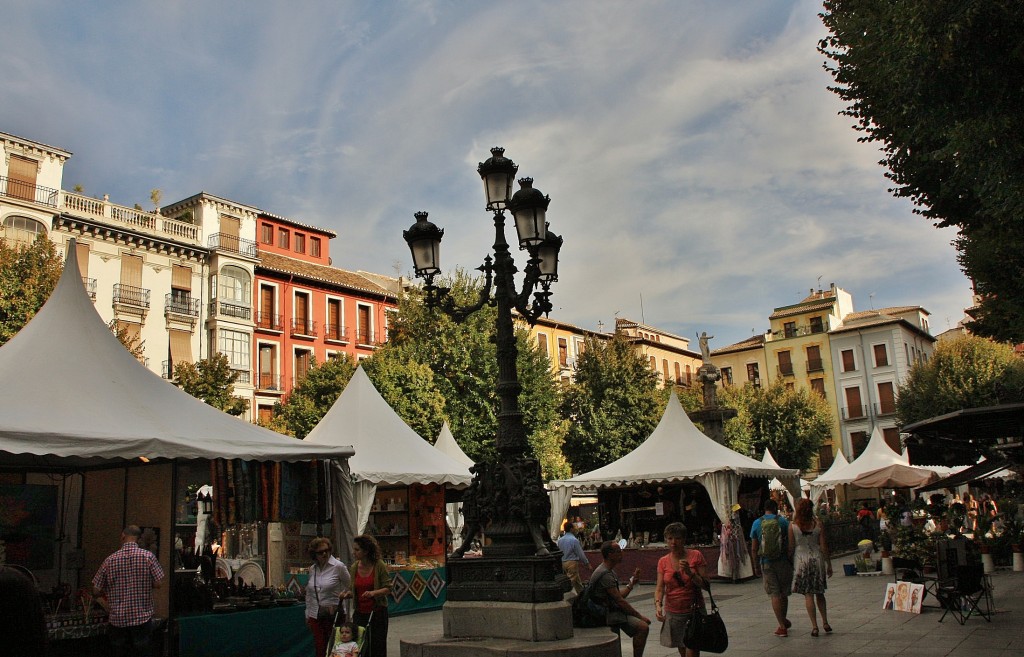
28	275
408	387
310	400
939	84
211	380
793	424
463	359
963	372
613	405
135	345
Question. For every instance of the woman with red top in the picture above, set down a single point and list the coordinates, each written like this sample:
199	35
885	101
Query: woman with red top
371	584
682	573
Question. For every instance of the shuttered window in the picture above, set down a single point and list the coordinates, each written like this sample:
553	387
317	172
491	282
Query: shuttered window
853	405
181	278
365	336
131	270
230	226
334	319
892	439
542	344
886	397
848	363
180	346
21	178
881	355
82	253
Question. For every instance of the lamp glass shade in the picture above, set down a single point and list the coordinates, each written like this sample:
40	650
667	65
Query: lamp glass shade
497	172
208	504
529	209
426	256
548	254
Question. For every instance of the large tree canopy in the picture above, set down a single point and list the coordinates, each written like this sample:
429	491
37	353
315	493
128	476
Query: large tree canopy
28	275
314	395
964	372
940	85
211	380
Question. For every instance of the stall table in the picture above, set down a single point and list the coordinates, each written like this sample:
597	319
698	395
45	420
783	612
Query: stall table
278	631
417	589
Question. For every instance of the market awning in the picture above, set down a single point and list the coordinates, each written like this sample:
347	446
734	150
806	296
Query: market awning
960	437
896	475
978	471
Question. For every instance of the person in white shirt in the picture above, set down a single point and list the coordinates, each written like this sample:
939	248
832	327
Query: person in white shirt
328	579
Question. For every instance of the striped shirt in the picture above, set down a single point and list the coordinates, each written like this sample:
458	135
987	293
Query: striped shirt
127	577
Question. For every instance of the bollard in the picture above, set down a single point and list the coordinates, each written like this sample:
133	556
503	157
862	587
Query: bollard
986	563
887	566
1018	562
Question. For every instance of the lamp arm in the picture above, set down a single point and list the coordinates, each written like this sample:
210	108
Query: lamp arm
442	300
541	302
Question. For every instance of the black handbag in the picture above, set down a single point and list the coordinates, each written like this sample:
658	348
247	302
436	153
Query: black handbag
706	631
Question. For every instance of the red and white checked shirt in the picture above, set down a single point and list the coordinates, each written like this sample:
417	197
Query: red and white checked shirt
127	578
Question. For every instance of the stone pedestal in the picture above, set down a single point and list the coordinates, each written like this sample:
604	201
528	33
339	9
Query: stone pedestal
597	642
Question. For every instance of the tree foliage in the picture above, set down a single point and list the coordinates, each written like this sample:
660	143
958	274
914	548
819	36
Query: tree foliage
408	387
463	359
939	85
211	380
310	400
28	275
135	345
612	406
793	424
963	372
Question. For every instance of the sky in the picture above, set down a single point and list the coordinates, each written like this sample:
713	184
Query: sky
699	170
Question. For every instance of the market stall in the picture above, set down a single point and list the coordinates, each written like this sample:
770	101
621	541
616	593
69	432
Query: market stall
397	487
677	473
877	454
94	439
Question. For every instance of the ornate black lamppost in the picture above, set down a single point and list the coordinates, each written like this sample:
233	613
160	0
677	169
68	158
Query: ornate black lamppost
506	499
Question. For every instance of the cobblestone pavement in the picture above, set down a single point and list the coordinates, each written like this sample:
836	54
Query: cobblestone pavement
860	625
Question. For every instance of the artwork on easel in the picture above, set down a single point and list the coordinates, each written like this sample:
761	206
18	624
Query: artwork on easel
903	596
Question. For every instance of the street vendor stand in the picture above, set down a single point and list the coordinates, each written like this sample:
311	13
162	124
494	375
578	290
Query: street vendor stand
90	441
675	457
397	486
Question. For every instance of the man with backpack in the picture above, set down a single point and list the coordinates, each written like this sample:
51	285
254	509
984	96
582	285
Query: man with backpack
770	555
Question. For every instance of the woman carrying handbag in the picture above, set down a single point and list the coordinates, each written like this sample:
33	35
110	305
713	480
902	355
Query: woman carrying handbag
682	574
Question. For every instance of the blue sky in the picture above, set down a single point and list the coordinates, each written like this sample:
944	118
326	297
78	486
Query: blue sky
698	168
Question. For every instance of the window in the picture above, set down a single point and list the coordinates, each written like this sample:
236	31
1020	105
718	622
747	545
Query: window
22	230
21	178
689	375
542	344
82	253
817	326
303	358
886	398
814	363
785	363
753	375
654	364
881	355
234	285
266	233
363	326
790	386
314	247
181	285
563	352
789	329
858	440
664	368
727	376
854	409
264	414
892	439
267	317
235	345
818	386
334	329
679	378
300	243
825	457
268	368
282	238
302	323
849	364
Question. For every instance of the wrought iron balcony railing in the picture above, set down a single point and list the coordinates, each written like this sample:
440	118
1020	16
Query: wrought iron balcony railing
269	321
304	328
335	333
221	308
129	295
28	192
233	244
181	305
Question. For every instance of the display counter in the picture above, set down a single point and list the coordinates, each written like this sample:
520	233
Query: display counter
278	631
72	633
417	589
646	559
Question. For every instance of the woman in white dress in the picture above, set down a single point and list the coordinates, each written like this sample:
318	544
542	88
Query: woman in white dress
812	563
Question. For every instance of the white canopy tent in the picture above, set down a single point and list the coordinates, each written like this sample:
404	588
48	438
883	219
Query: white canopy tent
838	463
387	452
676	451
875	456
453	510
795	488
74	397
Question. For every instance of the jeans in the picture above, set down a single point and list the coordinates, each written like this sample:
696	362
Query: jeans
132	641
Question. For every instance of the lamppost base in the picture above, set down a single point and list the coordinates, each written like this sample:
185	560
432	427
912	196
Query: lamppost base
518	579
596	642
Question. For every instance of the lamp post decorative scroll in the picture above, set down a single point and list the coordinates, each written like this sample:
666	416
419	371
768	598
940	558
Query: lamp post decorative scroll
507	496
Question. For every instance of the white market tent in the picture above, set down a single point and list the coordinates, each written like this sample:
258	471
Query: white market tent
838	463
447	444
795	485
675	451
74	398
875	456
387	452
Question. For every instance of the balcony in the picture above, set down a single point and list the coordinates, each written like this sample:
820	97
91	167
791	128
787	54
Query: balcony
367	340
888	408
175	304
335	333
228	309
268	383
785	369
233	244
130	217
29	192
165	370
129	295
269	322
303	328
90	287
855	412
815	365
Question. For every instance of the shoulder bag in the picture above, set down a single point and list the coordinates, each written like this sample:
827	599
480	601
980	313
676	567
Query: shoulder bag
706	631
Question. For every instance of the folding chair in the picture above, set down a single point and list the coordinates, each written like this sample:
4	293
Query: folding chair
965	594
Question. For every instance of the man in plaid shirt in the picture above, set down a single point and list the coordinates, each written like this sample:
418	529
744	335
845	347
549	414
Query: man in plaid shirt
127	579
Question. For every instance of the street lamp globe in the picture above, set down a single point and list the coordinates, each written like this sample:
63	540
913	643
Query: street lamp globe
498	173
529	208
424	240
548	254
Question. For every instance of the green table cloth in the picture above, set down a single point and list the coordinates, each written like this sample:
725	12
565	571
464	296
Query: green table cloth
278	631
